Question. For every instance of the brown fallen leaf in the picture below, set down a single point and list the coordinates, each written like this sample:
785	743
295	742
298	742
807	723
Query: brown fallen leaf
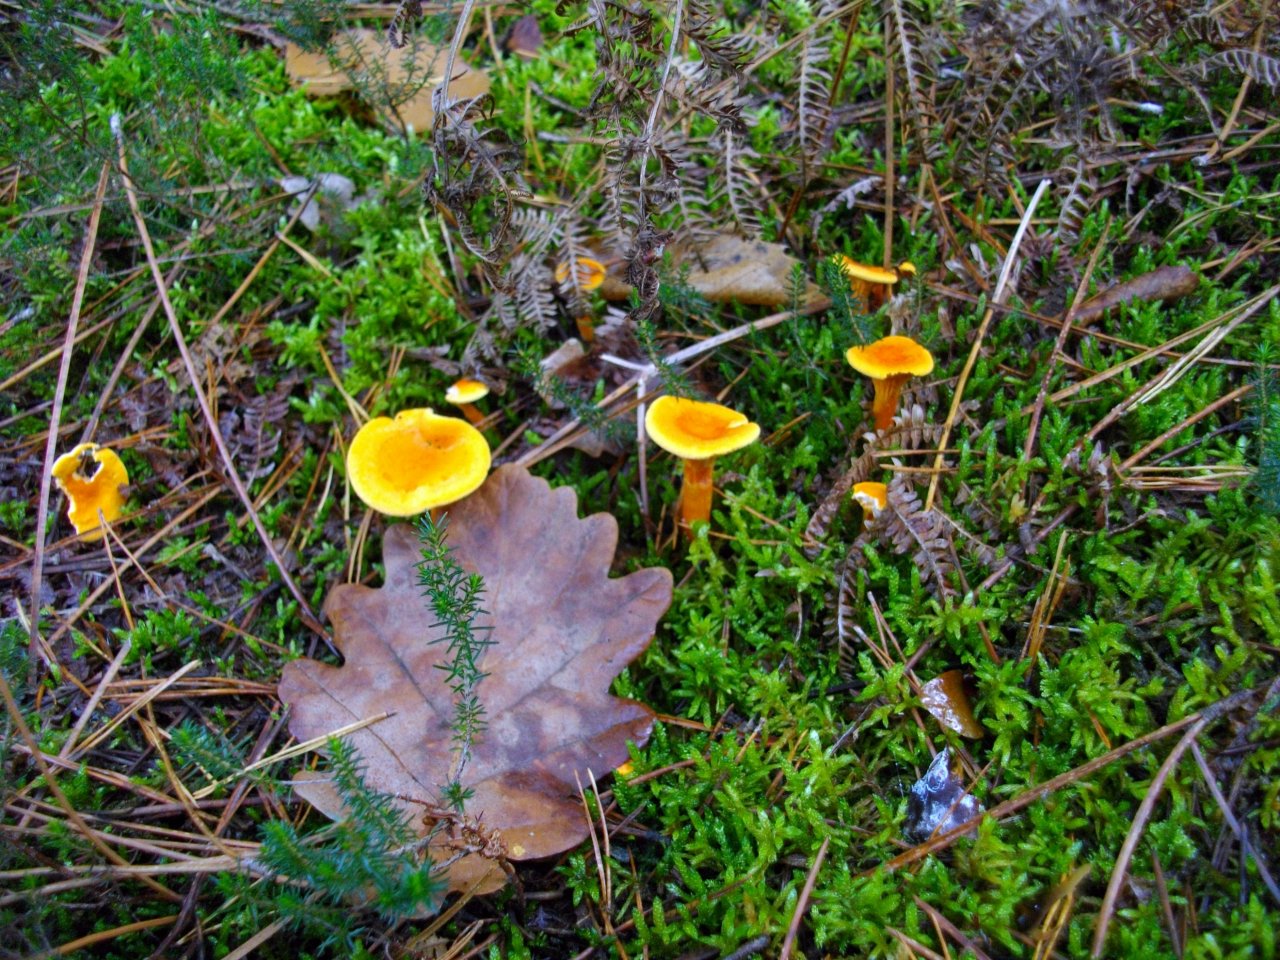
945	697
401	79
525	37
730	267
562	630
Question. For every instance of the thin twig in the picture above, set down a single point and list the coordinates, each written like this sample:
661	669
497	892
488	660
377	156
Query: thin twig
802	904
1246	846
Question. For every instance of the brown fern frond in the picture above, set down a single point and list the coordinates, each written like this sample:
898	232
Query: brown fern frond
1258	67
906	39
909	431
1078	202
735	186
924	535
813	97
841	630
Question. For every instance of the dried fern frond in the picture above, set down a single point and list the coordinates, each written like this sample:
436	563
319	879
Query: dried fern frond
1078	202
474	165
906	39
841	629
735	186
813	97
1258	67
909	431
924	535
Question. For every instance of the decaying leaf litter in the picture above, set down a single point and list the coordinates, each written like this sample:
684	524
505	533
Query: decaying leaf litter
1069	532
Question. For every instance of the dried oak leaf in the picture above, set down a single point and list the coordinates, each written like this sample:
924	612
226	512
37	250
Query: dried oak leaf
728	267
561	628
402	80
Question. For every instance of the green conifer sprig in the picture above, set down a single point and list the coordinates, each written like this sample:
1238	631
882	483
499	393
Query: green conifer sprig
847	308
455	598
371	857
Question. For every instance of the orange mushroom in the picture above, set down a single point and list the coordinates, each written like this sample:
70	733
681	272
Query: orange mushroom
889	362
464	394
697	432
872	285
419	461
872	497
588	274
91	476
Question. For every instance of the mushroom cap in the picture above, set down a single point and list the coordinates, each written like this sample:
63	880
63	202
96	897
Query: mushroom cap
906	269
890	356
695	430
416	462
590	273
89	493
871	496
466	391
865	271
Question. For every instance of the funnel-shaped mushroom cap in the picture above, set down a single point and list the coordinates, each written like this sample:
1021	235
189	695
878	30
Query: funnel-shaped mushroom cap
871	496
416	462
466	391
91	476
890	357
698	431
865	271
589	273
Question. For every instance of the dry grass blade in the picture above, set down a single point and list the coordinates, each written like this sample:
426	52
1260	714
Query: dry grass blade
997	299
55	416
1107	908
228	462
1247	847
802	904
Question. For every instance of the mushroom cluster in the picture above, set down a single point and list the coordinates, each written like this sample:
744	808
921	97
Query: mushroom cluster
697	433
92	477
872	285
416	462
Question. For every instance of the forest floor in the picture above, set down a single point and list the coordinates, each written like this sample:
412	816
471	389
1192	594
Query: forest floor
993	677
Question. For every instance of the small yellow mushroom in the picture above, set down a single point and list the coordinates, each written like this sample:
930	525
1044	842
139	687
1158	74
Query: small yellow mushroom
872	497
464	394
588	274
91	476
872	285
697	432
889	362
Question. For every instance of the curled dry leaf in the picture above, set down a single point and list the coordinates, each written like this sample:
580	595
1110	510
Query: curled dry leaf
562	629
944	696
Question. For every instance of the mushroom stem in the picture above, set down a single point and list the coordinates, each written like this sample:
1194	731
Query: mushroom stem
471	412
695	497
586	328
885	403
